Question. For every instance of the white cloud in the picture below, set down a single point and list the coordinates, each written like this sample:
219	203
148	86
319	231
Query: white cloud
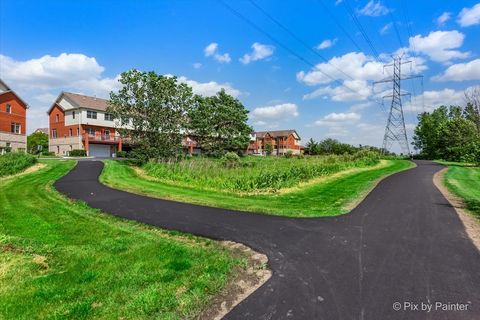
386	28
337	2
275	112
461	72
469	16
352	90
338	123
212	51
197	65
259	52
209	88
435	98
439	45
444	17
66	70
326	44
373	9
46	98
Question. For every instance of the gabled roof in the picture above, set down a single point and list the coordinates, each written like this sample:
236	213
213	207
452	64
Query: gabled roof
277	133
43	130
9	90
81	101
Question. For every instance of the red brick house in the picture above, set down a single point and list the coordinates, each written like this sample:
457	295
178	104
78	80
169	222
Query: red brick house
282	142
81	122
13	120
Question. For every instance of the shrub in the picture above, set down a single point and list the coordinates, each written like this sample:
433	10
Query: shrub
77	153
122	154
15	162
230	159
47	153
289	154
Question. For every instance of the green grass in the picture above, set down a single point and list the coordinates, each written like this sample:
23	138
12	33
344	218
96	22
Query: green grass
254	174
330	196
464	181
60	259
15	162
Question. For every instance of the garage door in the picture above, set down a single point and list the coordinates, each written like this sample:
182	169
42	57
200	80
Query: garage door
99	150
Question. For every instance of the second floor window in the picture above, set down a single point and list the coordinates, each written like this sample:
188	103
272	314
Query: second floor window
90	131
91	114
108	117
54	133
73	114
78	132
9	108
56	118
15	128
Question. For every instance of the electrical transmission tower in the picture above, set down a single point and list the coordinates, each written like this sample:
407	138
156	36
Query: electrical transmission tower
395	128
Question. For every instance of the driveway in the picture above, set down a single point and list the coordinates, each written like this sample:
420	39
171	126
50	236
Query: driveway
403	244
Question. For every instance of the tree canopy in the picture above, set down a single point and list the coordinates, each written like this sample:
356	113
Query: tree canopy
219	124
37	139
154	109
449	133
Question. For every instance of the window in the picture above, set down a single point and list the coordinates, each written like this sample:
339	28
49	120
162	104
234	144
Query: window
70	132
91	114
54	133
90	131
108	117
107	133
78	132
9	108
56	118
8	145
73	114
15	128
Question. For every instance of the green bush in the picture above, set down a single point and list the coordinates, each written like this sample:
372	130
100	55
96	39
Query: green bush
48	153
289	154
230	159
15	162
122	154
77	153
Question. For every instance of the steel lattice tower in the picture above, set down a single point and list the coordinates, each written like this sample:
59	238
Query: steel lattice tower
395	128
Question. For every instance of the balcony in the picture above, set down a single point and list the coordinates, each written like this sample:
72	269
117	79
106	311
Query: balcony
102	138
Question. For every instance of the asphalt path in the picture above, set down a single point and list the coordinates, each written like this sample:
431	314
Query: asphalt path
403	247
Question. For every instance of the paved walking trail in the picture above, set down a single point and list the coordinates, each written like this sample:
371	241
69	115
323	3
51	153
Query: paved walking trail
403	243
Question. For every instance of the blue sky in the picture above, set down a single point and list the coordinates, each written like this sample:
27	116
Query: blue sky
82	46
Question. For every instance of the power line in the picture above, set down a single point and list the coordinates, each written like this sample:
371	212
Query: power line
325	7
285	47
297	38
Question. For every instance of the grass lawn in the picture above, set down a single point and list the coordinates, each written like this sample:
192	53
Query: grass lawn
464	181
63	260
329	196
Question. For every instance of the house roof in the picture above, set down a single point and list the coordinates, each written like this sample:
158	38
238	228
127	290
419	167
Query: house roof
43	130
277	133
9	90
82	101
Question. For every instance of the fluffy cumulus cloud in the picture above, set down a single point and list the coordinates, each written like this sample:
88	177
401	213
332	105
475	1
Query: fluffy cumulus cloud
469	16
373	9
65	70
444	17
212	51
461	72
435	98
209	88
326	44
352	90
439	46
274	112
259	52
338	124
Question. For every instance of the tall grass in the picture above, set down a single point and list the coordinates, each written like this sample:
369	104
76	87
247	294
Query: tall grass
15	162
255	174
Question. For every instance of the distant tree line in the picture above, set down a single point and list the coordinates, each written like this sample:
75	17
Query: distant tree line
158	111
451	133
333	146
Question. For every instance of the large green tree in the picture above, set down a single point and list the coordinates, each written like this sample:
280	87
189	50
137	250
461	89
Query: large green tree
219	124
154	109
35	140
449	134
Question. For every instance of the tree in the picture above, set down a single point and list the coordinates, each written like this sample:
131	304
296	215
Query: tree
37	139
219	124
268	148
427	133
312	147
151	111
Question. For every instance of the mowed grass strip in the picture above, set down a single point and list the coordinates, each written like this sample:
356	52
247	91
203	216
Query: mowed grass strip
329	197
63	260
464	181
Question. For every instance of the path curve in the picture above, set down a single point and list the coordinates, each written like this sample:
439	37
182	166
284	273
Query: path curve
403	243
